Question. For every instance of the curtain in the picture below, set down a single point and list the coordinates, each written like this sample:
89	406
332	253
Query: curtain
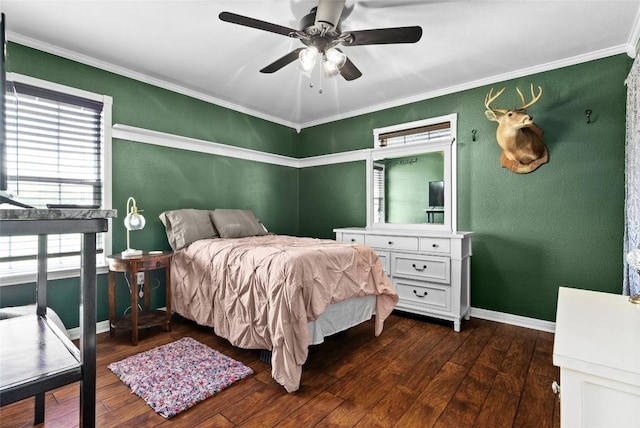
631	282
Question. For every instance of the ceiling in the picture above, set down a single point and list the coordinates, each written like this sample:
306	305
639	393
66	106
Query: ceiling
181	45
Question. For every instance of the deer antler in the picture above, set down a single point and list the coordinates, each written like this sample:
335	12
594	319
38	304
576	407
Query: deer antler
491	98
534	98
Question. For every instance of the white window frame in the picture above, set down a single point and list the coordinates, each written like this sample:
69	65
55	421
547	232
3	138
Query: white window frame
107	101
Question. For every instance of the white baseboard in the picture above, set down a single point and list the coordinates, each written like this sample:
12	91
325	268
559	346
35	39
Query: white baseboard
485	314
101	327
518	320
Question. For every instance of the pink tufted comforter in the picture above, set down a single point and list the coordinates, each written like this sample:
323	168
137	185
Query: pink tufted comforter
260	292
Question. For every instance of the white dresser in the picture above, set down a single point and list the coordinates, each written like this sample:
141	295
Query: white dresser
430	270
597	347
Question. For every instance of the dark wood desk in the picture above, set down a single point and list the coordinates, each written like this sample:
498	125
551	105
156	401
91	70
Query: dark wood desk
36	356
146	262
431	214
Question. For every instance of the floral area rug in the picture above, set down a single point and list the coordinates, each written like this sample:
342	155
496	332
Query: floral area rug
174	377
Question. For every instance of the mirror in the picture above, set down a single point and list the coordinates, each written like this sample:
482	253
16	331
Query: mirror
409	189
413	185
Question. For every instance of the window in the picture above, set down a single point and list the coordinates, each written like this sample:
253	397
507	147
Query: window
58	139
414	135
378	193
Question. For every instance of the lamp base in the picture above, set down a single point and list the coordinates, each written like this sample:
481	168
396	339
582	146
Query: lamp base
129	252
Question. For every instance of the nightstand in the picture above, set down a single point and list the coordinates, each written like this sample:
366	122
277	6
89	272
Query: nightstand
146	318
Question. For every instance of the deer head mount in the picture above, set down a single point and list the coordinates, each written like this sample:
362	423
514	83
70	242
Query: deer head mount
520	139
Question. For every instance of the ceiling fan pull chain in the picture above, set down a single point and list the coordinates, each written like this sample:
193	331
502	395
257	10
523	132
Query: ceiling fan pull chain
320	73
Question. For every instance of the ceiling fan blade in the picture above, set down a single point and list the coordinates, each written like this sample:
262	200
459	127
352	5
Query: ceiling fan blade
349	71
279	63
255	23
384	36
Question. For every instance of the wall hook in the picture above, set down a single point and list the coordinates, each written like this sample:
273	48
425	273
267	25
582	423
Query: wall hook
587	114
473	134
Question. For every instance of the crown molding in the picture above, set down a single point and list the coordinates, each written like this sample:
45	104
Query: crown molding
103	65
604	53
85	59
633	42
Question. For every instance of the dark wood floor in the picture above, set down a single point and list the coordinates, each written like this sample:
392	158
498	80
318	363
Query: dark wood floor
418	373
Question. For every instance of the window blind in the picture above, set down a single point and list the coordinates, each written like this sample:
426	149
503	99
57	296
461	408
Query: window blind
54	156
419	134
379	215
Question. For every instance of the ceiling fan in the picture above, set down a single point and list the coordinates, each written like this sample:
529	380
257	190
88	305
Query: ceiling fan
320	33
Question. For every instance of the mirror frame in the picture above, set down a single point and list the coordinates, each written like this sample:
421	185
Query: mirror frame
447	145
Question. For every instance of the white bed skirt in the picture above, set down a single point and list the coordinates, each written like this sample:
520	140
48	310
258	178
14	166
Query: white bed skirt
341	316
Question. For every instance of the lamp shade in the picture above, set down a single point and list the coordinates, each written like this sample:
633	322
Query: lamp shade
133	221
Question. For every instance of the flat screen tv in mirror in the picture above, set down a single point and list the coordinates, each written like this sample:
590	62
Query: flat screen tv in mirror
436	194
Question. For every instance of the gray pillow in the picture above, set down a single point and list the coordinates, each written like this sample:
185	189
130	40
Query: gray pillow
236	223
186	226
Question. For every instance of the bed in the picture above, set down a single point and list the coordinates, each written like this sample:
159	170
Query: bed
271	292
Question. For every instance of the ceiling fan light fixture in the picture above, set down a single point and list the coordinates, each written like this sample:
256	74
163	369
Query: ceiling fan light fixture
320	31
308	59
333	61
335	57
330	69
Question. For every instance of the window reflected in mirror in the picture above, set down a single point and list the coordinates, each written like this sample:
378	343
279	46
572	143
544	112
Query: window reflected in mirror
409	189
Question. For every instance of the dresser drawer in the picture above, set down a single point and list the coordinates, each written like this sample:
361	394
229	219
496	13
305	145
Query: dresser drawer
385	259
430	268
423	294
353	238
407	243
435	245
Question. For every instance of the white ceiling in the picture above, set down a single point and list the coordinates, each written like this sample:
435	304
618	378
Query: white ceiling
183	46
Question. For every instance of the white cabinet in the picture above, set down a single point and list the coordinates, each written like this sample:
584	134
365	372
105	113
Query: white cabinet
430	270
597	347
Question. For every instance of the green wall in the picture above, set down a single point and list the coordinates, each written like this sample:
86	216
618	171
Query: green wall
561	225
332	196
162	178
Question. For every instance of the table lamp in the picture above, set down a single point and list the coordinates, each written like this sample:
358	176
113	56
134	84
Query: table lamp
133	221
633	258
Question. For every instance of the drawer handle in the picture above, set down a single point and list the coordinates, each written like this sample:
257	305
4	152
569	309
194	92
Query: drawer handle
353	240
421	296
419	269
390	242
434	245
158	263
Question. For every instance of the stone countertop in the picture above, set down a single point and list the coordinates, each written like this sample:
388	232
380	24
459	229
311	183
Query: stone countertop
55	214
